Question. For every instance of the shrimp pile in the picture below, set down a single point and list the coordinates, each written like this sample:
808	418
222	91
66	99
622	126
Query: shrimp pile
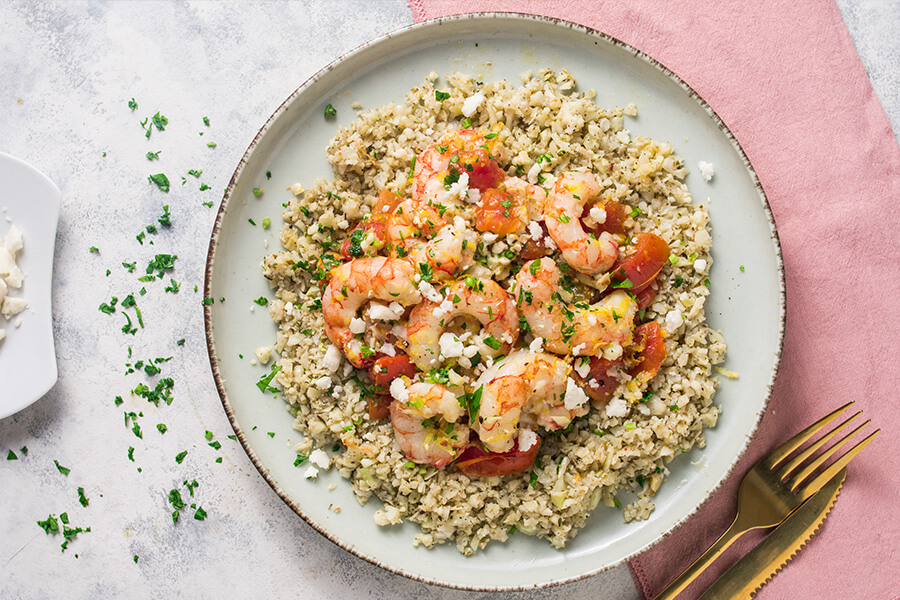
470	373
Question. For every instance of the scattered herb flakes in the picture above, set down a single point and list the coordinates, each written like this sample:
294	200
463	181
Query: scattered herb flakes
180	456
131	453
195	172
11	456
441	96
265	380
262	301
206	121
84	500
742	268
266	223
180	342
208	435
109	307
160	121
173	287
330	111
206	301
129	266
64	470
533	479
215	445
118	401
210	144
203	188
257	192
300	460
24	450
94	249
165	220
161	181
135	558
268	174
153	155
252	222
132	104
161	427
271	434
200	514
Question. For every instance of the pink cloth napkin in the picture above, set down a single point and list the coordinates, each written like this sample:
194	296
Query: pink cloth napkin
786	79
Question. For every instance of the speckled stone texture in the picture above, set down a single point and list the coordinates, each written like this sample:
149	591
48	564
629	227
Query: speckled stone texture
67	71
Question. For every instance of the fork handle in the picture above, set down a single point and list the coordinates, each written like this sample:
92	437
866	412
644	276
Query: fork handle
734	531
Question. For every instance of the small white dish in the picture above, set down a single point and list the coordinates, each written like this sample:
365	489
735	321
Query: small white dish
27	356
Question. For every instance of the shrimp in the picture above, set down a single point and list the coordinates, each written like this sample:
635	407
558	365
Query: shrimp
463	157
353	284
425	424
562	215
476	297
528	389
604	328
446	256
412	220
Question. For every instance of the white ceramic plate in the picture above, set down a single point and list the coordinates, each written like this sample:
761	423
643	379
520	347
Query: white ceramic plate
27	355
747	306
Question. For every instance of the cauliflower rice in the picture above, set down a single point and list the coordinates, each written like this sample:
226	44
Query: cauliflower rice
622	449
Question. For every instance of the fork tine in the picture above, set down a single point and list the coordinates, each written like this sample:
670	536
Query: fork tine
786	449
820	460
798	460
822	478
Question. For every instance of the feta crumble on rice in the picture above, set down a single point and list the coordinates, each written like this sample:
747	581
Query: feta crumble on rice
616	407
311	472
332	359
706	170
700	265
674	319
527	439
597	214
323	383
471	104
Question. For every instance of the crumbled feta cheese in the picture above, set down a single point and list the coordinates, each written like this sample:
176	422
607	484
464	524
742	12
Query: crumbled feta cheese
489	237
397	308
380	312
471	104
473	196
617	407
450	345
389	350
706	170
320	459
443	308
700	265
459	188
583	367
398	390
323	382
527	439
263	354
427	290
332	360
312	472
674	319
577	350
357	325
13	306
597	214
575	396
537	345
535	230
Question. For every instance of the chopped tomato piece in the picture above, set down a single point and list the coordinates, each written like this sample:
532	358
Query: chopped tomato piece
616	215
497	211
649	338
645	296
388	368
599	384
386	204
475	461
379	407
534	249
639	267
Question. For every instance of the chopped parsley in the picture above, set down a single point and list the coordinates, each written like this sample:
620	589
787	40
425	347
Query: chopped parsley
330	111
161	181
132	104
162	427
206	121
61	469
153	155
265	380
11	456
440	96
180	456
262	301
84	500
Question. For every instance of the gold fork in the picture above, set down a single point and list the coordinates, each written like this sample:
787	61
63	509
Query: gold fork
774	487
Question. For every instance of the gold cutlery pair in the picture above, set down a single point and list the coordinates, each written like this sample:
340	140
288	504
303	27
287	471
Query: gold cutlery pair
794	494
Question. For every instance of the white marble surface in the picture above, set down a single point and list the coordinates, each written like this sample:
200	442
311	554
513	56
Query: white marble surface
67	72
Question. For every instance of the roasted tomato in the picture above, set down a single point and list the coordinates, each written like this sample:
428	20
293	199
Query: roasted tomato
605	385
386	203
645	296
496	212
649	338
475	461
379	407
641	265
484	172
388	368
534	249
616	215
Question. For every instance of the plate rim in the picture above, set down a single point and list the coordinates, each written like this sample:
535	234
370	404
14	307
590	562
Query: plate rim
54	200
489	16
